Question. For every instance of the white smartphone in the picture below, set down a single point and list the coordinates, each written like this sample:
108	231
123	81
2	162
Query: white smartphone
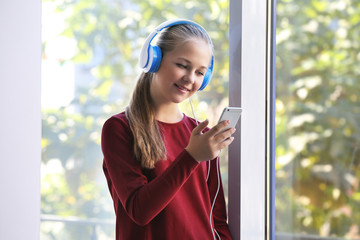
232	114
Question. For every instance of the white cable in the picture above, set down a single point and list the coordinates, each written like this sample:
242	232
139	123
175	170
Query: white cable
197	123
217	192
217	235
192	109
207	177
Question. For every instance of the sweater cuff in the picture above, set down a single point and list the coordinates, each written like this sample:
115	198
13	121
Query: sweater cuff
190	159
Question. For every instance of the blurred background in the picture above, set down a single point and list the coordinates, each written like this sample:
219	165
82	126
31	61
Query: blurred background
89	69
318	118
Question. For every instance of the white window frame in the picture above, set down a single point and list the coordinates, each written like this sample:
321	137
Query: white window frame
20	121
251	84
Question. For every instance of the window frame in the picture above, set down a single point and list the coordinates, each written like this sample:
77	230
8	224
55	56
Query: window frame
251	156
20	122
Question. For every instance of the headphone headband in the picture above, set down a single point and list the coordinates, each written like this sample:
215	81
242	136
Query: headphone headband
150	56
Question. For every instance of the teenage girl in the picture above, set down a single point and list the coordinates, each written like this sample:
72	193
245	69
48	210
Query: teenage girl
160	164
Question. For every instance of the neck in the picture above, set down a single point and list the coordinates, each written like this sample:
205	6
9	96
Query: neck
168	113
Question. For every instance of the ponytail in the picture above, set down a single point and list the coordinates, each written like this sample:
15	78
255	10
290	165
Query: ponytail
149	147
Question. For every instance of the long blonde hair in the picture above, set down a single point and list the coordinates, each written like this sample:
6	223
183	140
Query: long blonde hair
149	146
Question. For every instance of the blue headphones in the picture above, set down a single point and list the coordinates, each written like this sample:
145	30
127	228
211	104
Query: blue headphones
150	56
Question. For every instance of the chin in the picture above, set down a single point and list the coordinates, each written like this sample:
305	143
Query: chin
180	100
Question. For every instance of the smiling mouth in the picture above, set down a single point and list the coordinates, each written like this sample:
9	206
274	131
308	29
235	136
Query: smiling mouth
182	88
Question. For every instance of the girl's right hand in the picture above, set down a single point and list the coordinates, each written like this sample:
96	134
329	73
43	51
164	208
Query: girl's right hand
207	146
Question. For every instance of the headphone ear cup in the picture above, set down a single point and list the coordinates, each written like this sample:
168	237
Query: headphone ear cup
155	59
206	79
207	75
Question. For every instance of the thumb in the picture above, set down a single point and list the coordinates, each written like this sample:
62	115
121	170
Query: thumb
198	130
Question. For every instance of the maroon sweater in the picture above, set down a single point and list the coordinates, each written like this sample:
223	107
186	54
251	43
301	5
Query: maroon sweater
171	201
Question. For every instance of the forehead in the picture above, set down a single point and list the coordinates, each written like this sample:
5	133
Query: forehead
196	51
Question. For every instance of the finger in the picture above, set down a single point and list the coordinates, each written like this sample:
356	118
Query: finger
226	142
219	127
222	135
200	127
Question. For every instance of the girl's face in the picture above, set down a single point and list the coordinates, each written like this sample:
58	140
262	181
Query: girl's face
181	72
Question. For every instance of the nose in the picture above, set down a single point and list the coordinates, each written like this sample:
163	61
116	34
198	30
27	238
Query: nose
190	77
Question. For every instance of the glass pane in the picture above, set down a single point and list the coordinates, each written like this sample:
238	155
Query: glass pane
318	119
89	69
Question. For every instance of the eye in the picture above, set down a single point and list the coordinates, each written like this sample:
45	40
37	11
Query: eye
181	65
201	73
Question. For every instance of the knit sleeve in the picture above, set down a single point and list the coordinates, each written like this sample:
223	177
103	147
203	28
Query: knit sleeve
141	199
219	212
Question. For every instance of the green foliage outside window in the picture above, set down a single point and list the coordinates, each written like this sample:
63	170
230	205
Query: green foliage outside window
318	118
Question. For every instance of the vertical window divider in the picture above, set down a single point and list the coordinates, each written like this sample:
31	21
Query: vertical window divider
270	119
251	86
